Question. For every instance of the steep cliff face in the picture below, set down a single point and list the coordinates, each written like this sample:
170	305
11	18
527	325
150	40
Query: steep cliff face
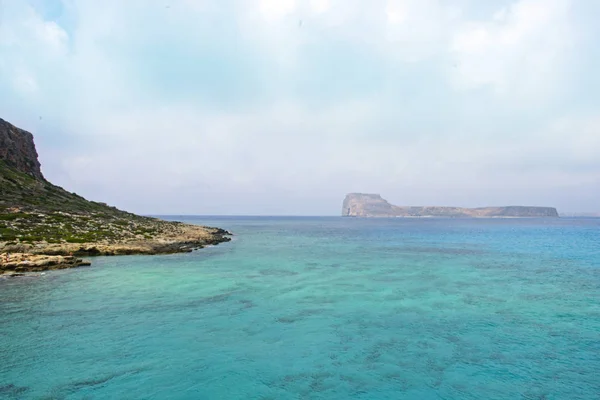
17	150
366	205
373	205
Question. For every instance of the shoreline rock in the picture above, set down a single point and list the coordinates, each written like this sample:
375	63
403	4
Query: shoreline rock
18	258
17	264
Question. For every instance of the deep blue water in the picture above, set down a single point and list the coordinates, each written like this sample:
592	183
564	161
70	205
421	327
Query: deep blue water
319	308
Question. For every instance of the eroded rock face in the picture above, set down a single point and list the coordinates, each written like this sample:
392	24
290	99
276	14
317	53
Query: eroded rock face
17	149
366	205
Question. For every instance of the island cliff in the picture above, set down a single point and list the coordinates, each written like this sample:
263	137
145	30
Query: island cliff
43	226
373	205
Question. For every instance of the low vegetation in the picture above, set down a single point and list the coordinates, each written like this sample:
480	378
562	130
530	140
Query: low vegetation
36	212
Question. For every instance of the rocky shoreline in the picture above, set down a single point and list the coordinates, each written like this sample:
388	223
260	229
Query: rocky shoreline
43	226
17	259
18	264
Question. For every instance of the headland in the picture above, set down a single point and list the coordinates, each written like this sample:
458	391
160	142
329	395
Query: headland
43	226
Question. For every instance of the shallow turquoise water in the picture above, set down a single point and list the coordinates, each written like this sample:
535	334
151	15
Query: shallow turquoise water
319	308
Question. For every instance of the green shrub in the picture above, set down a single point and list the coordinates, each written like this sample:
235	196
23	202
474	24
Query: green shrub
12	216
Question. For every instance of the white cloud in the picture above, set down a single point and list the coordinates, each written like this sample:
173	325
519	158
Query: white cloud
320	6
418	29
146	153
519	52
29	29
273	10
29	45
24	83
396	12
50	34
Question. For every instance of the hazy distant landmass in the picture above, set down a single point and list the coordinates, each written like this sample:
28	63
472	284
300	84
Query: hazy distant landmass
373	205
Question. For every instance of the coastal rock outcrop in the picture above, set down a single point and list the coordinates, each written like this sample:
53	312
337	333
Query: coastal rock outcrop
373	205
18	263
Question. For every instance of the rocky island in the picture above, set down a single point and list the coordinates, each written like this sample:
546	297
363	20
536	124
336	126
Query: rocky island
373	205
43	226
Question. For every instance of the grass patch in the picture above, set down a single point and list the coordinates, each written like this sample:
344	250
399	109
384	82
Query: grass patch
12	216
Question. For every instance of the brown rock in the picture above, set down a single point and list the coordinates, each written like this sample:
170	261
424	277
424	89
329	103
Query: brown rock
17	149
37	262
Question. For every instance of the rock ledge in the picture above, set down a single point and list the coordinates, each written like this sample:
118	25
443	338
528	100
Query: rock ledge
18	263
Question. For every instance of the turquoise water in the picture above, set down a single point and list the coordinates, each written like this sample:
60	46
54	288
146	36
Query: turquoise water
319	308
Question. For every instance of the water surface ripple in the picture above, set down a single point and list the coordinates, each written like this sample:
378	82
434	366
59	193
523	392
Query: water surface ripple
319	308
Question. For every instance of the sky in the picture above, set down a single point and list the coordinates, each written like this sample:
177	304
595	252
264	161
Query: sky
281	107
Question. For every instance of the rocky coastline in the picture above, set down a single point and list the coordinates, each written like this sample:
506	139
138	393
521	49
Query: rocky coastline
18	257
19	264
44	227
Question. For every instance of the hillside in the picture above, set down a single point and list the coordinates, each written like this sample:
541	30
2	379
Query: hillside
38	217
373	205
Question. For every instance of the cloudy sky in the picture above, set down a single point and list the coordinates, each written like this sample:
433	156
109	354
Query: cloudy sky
284	106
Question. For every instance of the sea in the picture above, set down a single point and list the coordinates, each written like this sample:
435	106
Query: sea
319	308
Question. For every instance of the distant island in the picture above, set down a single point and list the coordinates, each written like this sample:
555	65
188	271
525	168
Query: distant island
43	226
373	205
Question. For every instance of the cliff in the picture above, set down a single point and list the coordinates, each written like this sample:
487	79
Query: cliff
39	218
366	205
18	151
373	205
